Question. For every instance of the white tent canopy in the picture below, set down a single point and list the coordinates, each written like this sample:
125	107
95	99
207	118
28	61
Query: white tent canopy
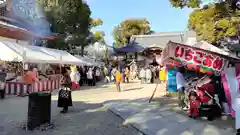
11	51
64	57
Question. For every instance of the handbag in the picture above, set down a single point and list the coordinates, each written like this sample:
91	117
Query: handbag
64	93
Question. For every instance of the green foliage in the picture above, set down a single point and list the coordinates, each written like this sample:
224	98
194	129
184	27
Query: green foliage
213	23
123	32
99	36
197	3
96	22
186	3
71	20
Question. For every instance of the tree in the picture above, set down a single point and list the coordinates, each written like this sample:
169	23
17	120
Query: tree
213	23
98	37
123	32
71	20
233	4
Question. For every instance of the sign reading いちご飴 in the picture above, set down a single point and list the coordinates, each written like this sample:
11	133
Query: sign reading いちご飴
195	58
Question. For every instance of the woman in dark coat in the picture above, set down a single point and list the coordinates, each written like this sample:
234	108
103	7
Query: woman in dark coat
64	96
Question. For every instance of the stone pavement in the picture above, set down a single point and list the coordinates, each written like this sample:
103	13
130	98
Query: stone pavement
152	120
84	118
89	117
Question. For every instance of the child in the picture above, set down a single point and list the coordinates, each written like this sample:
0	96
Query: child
194	103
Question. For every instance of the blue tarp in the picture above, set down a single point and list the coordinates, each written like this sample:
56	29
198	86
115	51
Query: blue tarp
130	49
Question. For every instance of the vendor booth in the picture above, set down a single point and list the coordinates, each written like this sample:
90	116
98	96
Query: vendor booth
203	67
26	55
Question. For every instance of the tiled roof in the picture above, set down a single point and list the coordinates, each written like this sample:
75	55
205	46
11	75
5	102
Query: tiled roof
161	39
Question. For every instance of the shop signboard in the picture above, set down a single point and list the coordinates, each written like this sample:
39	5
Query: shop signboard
194	57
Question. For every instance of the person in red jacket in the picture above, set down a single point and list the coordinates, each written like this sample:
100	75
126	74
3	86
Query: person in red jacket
194	103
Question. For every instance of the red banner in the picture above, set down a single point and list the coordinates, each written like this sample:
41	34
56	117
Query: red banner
193	57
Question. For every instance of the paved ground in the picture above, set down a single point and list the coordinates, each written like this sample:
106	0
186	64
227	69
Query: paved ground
152	120
89	117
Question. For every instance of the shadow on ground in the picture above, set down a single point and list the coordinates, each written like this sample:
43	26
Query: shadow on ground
131	89
159	117
82	119
99	85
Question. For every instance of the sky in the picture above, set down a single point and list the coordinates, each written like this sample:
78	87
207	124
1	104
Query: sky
160	14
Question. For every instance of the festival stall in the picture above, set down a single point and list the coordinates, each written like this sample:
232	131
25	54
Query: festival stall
26	55
206	62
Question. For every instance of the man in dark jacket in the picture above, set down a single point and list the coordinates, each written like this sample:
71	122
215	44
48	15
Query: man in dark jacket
3	76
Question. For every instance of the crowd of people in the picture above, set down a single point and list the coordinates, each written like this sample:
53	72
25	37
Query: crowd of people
152	74
73	77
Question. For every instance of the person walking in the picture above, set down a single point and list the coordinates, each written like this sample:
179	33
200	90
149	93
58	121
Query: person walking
80	71
127	74
64	95
90	77
75	77
94	76
97	74
106	74
148	75
181	90
3	76
113	74
118	79
143	75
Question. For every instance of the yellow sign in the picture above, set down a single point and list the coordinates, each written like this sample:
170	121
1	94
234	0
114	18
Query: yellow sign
202	70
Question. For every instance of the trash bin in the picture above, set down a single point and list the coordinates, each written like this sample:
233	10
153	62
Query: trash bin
39	110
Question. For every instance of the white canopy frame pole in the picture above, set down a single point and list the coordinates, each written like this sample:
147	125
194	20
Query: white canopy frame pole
24	56
60	65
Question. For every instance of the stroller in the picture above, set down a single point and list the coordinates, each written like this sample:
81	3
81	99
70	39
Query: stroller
209	103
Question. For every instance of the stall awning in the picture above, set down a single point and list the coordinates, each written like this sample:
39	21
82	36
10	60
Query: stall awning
12	51
63	57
